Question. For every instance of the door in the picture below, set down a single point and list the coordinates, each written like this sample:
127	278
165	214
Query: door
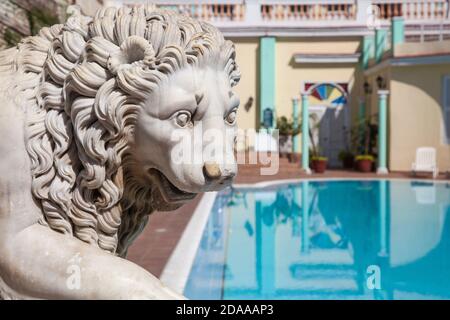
330	132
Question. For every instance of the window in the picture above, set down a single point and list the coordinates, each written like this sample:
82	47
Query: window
328	94
446	109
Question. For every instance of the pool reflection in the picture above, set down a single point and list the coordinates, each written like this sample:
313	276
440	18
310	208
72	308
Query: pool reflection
326	240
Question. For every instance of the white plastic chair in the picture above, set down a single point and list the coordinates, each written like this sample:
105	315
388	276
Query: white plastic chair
425	161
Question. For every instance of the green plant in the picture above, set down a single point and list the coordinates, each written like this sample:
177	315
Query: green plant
363	157
286	127
364	136
319	158
39	18
315	152
11	37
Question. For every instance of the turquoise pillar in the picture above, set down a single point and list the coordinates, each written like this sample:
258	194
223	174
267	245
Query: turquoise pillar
265	246
295	146
305	217
397	31
296	201
382	208
368	49
382	131
380	43
267	76
305	133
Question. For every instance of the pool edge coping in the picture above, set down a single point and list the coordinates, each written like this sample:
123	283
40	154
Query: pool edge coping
177	269
264	184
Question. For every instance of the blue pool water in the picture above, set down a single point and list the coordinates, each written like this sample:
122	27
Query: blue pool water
326	240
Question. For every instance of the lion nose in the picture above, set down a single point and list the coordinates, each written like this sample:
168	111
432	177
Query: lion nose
212	170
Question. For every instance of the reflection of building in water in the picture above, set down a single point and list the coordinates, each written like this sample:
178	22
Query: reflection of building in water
342	234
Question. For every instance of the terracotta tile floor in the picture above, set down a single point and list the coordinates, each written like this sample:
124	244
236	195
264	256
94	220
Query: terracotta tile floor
155	245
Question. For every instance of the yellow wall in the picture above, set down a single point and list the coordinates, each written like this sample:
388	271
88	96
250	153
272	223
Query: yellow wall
247	58
416	114
291	76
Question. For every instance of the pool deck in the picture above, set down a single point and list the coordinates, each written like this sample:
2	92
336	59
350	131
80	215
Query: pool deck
154	246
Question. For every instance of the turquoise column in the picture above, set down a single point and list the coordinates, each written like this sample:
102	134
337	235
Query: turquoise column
382	131
296	223
267	76
382	207
367	51
295	116
383	256
265	254
305	133
305	217
397	31
380	43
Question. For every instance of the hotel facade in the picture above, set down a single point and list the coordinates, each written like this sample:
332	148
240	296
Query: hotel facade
346	62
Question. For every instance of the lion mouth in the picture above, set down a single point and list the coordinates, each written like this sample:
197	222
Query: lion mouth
168	190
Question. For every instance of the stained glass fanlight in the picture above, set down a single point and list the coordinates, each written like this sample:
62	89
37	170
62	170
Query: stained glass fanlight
327	94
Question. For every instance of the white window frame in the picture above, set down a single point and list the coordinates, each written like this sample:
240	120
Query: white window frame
445	109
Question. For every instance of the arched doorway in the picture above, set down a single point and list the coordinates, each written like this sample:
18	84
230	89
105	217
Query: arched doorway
329	119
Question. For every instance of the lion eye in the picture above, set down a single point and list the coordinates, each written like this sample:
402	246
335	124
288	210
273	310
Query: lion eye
231	117
183	118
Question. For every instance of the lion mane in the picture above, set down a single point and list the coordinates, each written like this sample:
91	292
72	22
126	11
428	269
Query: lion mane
82	85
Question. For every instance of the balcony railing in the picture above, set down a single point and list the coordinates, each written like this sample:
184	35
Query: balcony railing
253	12
331	10
210	11
412	9
425	20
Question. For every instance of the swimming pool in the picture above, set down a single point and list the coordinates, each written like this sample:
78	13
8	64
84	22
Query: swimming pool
349	239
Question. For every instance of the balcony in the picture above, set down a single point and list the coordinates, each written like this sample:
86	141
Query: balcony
426	20
328	10
218	12
412	9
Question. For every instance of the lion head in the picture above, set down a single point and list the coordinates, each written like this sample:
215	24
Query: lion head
112	99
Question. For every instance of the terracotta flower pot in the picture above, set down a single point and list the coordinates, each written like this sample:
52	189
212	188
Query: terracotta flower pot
319	166
364	165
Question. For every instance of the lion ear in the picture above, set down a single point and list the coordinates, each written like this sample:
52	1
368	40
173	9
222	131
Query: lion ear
133	50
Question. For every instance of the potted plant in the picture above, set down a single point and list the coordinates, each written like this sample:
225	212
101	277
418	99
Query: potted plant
347	158
366	140
364	162
318	162
287	131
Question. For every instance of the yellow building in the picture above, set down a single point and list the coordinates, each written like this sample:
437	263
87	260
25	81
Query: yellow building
418	80
341	59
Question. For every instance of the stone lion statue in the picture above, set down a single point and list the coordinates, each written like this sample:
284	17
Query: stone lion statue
88	109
